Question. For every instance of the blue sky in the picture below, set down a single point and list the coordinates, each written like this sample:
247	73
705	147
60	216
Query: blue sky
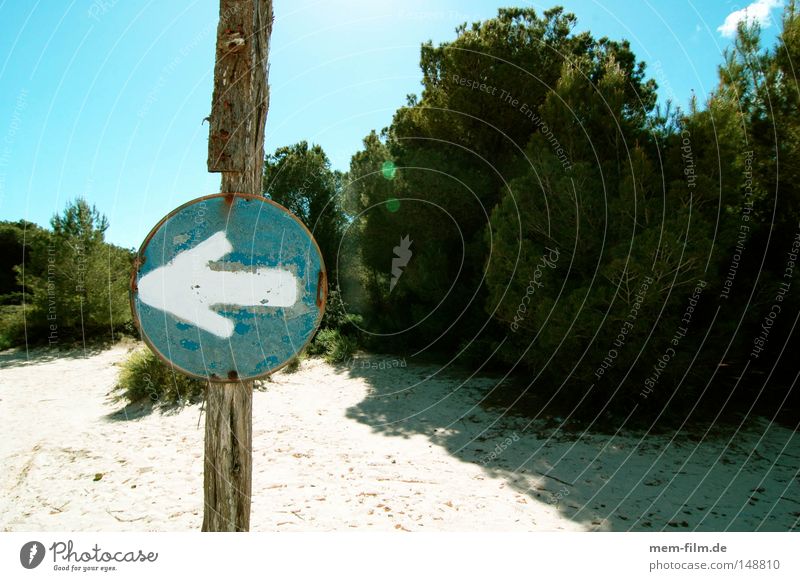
105	98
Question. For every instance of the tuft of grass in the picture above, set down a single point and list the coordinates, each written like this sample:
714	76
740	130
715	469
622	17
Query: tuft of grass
294	365
145	377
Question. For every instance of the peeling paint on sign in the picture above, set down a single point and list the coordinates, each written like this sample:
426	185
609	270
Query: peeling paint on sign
228	287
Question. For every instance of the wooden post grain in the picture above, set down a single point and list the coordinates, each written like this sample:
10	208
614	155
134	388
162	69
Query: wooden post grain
235	149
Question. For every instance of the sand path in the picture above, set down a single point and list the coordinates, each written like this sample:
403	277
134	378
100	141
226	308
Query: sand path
377	449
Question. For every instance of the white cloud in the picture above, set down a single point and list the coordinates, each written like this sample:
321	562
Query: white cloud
758	11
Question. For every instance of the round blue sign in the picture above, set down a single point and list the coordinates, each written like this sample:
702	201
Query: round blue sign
228	287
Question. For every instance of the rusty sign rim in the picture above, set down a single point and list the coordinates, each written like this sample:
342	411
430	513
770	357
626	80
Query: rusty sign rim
322	284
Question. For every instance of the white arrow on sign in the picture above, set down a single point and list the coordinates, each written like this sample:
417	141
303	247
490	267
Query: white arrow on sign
188	288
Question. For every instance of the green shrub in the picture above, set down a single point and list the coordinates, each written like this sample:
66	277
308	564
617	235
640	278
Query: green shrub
145	377
76	282
12	326
332	345
337	316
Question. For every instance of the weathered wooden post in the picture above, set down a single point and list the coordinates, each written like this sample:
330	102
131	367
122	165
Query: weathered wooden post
230	287
235	149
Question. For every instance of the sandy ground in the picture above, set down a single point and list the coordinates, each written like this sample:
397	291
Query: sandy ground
355	448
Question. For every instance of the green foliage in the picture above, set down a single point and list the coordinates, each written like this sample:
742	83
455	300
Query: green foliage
761	86
15	251
459	147
332	345
12	326
144	377
300	178
337	316
17	241
76	283
575	244
564	225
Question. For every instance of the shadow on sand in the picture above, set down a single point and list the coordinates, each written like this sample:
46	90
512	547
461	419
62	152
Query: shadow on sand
139	409
623	481
38	355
